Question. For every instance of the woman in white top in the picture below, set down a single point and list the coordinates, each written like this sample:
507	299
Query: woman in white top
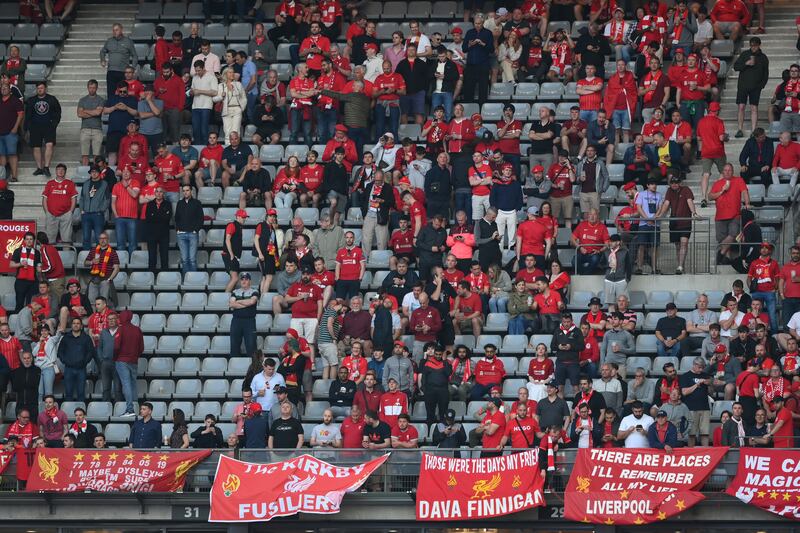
234	101
45	353
508	55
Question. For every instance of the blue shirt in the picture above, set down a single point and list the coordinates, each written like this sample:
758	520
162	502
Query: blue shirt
118	120
151	125
146	434
187	156
478	54
248	72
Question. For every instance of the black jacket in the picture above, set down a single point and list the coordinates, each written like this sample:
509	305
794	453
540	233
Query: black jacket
76	352
755	76
427	238
43	112
450	75
335	178
6	204
342	394
573	338
438	184
25	384
416	77
435	374
207	440
756	156
189	215
387	195
158	216
85	439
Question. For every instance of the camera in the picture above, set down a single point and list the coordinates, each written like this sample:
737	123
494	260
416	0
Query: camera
384	138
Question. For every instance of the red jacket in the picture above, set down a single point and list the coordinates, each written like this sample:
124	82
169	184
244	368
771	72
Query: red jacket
172	91
730	11
350	154
787	156
626	85
129	342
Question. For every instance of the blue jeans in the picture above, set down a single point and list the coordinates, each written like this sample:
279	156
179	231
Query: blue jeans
590	369
243	329
663	351
393	120
187	244
587	263
463	202
588	115
75	384
771	303
360	137
446	101
126	234
127	377
252	100
518	325
92	223
201	119
479	391
326	124
699	111
299	122
47	381
498	304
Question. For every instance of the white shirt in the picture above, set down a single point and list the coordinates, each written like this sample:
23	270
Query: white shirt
417	170
211	61
259	382
636	439
422	44
794	322
705	31
374	68
207	83
410	301
726	315
585	435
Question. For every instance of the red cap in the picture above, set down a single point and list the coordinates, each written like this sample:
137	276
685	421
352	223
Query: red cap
507	166
692	55
476	116
241	213
628	186
720	348
254	408
273	212
3	185
293	332
400	343
370	45
341	127
766	244
714	106
496	389
457	29
70	281
538	168
404	181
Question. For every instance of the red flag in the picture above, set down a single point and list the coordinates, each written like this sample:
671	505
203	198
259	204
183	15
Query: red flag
5	459
769	479
636	486
471	489
252	492
123	470
11	234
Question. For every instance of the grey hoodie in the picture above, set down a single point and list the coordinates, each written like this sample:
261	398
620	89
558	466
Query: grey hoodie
120	53
399	368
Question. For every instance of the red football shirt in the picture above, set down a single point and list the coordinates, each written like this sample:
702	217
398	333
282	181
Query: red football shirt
306	308
548	305
533	234
522	433
349	262
493	441
729	205
59	196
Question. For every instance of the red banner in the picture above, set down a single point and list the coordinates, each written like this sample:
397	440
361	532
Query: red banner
11	234
252	492
5	459
625	487
122	470
769	479
471	489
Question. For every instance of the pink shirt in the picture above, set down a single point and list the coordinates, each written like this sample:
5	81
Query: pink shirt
394	57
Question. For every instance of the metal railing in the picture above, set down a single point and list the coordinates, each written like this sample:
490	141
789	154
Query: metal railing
399	474
665	258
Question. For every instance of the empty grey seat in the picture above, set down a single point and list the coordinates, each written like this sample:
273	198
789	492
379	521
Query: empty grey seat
204	408
161	389
159	366
186	367
209	195
140	281
193	301
188	388
139	259
142	301
239	32
99	411
43	53
152	323
195	281
170	344
196	344
36	72
204	323
167	301
167	281
218	301
117	433
215	388
214	366
26	33
186	407
220	344
483	340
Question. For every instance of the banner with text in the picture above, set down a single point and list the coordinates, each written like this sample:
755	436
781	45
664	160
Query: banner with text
769	479
252	492
625	487
11	235
471	489
122	470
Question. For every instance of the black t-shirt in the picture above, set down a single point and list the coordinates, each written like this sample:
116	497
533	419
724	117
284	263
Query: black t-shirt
551	413
259	180
378	435
285	433
545	146
697	400
237	157
671	328
596	403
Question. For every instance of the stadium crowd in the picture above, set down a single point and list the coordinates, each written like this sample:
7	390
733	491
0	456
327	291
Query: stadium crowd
466	222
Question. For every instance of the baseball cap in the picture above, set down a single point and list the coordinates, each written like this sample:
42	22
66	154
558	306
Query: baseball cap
714	106
73	281
674	179
280	389
341	127
508	166
767	244
615	237
628	186
533	210
457	30
502	11
404	181
661	413
245	275
720	348
391	379
241	213
476	116
538	168
3	185
272	212
496	389
450	414
551	383
595	301
307	269
680	50
400	343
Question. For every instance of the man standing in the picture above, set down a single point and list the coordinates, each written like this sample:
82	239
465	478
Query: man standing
243	303
75	351
264	384
25	383
729	192
128	348
156	223
305	299
58	201
90	111
146	431
789	285
117	53
763	275
711	137
753	68
103	263
169	88
12	112
27	260
105	358
204	88
52	423
479	47
350	267
94	201
694	389
188	222
492	429
42	116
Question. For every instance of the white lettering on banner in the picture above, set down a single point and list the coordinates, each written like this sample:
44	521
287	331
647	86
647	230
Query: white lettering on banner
438	510
775	482
683	478
306	464
618	507
7	227
287	505
482	466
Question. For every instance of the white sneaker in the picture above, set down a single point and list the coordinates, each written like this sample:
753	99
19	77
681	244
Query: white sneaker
129	414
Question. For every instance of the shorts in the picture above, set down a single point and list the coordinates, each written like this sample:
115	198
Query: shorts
752	96
205	173
564	371
40	135
231	263
790	122
562	207
267	267
329	353
725	28
112	141
467	324
91	141
701	423
676	236
647	236
341	201
8	144
413	104
708	162
308	380
727	228
305	327
408	257
621	119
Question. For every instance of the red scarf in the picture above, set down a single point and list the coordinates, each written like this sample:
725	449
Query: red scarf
560	54
584	400
550	444
467	368
617	32
679	21
101	268
608	427
651	79
12	63
27	258
721	364
772	390
791	103
292	379
76	429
